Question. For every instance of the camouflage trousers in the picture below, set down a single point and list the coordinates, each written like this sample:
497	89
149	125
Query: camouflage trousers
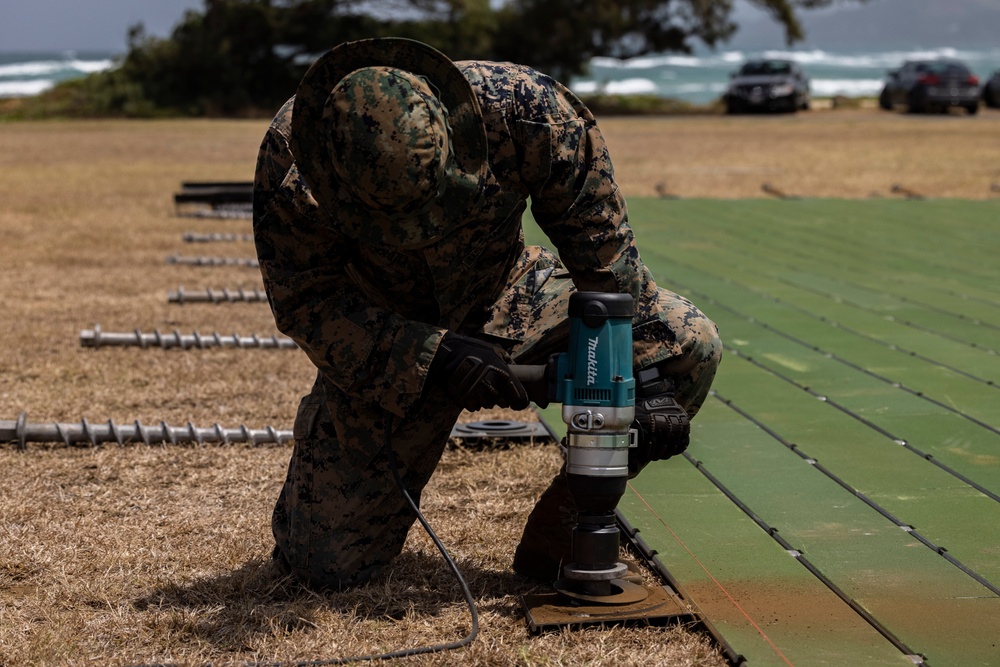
340	517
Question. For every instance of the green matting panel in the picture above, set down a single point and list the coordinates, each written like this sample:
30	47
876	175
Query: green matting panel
840	501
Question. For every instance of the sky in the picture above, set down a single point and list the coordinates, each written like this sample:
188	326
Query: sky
102	25
85	25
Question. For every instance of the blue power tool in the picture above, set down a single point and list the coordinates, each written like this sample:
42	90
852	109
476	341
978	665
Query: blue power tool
594	383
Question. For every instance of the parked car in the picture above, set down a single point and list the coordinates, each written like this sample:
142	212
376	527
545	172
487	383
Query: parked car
991	91
767	85
931	85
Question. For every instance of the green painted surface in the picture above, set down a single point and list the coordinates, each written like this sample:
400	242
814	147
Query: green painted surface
766	605
918	360
833	254
877	306
937	429
942	508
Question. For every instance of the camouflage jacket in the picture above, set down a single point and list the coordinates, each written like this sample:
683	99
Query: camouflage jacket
370	318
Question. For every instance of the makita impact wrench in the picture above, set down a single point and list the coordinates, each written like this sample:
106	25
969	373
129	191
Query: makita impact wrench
594	383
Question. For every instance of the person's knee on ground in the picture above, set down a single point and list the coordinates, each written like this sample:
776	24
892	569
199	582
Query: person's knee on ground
341	517
324	581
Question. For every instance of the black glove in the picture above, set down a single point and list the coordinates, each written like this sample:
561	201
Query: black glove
476	374
664	430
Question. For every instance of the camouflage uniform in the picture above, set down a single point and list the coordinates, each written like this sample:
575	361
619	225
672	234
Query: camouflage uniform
371	316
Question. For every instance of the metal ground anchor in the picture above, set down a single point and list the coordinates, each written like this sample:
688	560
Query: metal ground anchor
237	212
251	262
775	192
224	295
97	338
216	237
906	192
501	429
84	432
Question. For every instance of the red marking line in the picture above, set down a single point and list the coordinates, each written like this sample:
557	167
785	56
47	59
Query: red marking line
718	583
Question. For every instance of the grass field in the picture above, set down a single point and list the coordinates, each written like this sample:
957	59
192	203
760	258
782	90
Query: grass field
856	154
140	554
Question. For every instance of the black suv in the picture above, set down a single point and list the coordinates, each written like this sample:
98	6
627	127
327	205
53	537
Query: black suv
991	90
767	85
929	85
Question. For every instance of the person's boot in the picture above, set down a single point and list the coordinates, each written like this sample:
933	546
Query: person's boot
546	543
280	562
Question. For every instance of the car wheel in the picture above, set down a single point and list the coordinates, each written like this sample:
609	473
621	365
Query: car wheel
884	101
991	97
732	107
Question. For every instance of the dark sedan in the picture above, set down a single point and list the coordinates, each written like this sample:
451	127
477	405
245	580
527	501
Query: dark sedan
931	85
767	85
991	91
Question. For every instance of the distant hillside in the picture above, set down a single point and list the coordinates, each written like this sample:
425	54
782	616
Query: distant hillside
882	24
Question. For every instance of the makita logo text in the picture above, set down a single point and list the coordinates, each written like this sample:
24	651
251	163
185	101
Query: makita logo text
591	361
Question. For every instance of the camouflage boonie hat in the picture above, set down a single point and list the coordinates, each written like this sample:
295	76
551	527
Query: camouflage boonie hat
389	136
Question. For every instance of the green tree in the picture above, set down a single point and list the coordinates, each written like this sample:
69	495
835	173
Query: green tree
561	36
245	57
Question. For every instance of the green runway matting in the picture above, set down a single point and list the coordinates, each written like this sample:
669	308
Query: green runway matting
840	501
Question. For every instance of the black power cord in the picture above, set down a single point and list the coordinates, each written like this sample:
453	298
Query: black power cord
402	653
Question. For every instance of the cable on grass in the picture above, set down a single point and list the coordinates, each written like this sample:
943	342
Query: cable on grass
402	653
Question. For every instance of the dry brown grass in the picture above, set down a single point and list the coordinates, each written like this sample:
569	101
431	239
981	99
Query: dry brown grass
852	153
135	554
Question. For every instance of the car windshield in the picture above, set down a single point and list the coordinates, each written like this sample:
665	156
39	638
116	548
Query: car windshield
766	67
943	68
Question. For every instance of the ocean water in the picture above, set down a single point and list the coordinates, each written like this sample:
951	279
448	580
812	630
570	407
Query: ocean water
26	74
703	77
698	78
